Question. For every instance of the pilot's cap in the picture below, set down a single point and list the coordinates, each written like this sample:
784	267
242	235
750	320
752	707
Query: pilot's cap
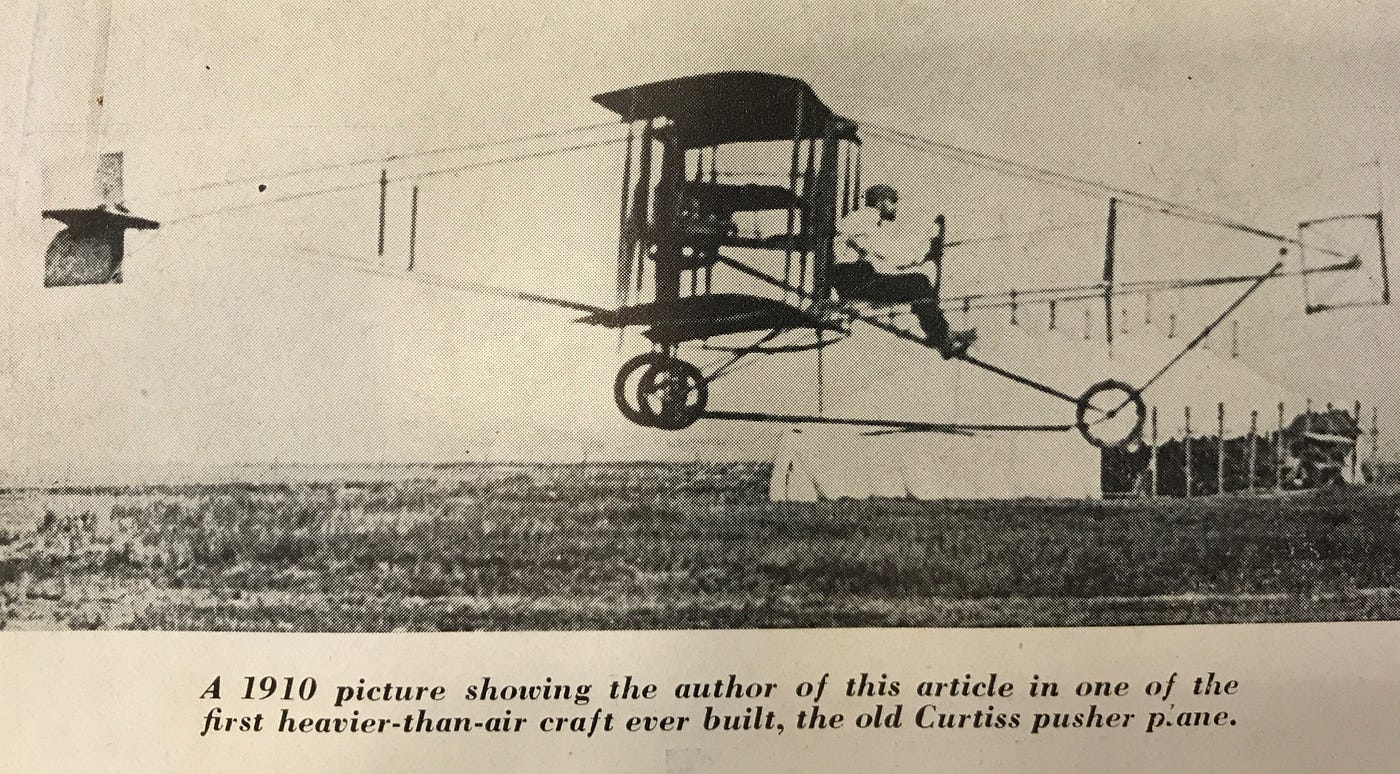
878	193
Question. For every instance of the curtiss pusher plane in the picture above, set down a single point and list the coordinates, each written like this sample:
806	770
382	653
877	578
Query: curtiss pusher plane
678	224
683	226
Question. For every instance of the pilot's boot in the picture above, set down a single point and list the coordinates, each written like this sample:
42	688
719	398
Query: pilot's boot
959	342
950	344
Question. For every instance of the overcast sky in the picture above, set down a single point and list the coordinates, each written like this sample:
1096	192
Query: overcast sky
221	347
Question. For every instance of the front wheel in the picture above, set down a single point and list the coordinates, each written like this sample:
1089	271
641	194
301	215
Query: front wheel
1110	415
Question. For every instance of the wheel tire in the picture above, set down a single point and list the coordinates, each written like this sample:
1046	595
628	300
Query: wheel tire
624	396
651	368
1085	404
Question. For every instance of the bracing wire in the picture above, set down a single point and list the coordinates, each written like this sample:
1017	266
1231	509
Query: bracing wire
415	177
1004	236
321	258
1080	185
389	159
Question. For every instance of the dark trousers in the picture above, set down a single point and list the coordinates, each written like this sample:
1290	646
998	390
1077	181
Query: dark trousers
860	281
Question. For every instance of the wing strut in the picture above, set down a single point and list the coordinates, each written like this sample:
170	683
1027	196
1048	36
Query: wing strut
1109	243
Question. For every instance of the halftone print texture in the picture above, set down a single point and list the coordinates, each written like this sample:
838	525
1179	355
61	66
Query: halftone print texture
705	317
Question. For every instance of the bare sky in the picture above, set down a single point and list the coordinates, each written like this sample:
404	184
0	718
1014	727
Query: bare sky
220	348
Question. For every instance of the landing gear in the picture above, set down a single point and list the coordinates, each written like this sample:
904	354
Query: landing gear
657	390
1102	415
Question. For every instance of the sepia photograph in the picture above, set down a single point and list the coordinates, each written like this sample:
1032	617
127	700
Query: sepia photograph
384	317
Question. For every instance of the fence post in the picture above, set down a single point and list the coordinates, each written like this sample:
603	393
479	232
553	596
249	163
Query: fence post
1186	448
1220	450
1253	442
1375	442
1356	453
1152	455
1278	452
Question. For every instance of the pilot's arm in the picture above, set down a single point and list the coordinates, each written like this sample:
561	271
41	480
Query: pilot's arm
879	255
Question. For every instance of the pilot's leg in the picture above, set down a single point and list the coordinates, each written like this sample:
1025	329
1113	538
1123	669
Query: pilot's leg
948	343
956	342
933	322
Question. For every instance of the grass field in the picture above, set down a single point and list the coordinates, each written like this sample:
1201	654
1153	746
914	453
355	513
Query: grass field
675	546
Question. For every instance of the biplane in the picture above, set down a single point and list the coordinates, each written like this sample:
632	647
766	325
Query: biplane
682	226
678	222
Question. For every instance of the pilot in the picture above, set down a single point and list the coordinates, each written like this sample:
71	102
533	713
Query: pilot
877	262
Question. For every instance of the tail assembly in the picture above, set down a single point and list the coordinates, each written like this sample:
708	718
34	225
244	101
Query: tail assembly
90	250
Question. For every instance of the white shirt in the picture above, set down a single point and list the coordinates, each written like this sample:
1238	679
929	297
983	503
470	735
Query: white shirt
888	247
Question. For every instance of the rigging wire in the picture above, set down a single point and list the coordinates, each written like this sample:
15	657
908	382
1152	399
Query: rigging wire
1081	185
415	177
389	159
329	259
1032	172
1003	236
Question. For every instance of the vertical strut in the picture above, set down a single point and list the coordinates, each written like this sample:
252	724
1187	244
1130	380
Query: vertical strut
793	172
846	186
825	190
1109	245
856	184
413	229
1380	237
1385	268
641	204
383	200
626	239
1303	269
808	206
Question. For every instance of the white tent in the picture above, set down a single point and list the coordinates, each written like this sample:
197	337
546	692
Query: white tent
874	376
827	463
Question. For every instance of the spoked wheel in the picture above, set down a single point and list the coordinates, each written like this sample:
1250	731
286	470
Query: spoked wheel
1110	415
656	390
